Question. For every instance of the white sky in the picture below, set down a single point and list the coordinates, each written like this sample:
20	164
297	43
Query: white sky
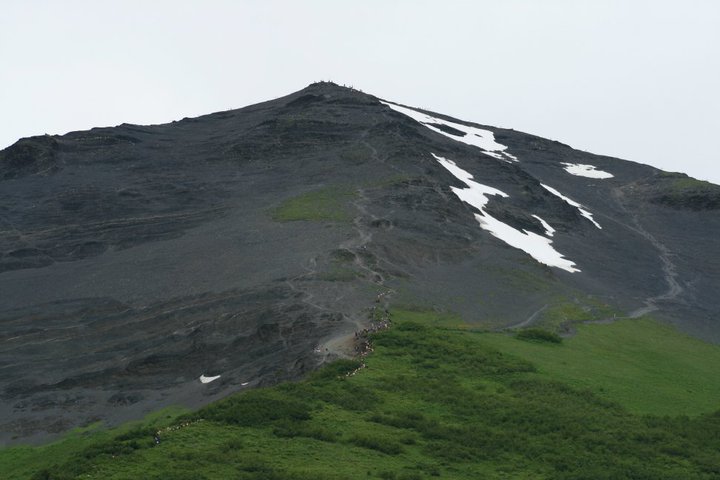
634	79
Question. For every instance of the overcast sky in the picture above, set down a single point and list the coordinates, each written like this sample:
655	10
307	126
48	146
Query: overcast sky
635	79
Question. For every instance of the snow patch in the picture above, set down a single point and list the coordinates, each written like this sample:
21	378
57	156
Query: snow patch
204	379
583	212
589	171
478	137
476	194
549	231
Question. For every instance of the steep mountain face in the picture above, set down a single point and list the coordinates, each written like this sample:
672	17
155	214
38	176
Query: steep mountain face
144	266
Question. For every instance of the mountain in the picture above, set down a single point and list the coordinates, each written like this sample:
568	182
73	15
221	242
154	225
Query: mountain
145	266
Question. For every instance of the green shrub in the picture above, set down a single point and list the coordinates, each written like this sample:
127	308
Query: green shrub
377	442
538	335
292	429
350	396
338	368
255	407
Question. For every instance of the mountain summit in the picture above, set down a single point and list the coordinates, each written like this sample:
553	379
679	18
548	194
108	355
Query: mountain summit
142	266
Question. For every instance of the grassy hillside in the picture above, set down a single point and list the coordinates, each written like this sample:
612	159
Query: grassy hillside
645	366
436	403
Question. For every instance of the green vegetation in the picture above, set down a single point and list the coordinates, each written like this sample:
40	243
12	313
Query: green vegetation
538	335
680	191
680	182
342	267
329	204
25	461
565	311
645	366
438	402
692	184
430	317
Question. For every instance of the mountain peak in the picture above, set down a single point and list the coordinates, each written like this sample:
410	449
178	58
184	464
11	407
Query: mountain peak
332	92
248	246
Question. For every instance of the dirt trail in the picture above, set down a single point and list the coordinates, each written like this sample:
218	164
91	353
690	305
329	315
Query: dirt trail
364	260
651	303
528	321
307	296
669	269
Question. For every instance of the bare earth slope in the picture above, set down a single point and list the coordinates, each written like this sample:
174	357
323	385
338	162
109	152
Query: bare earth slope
251	243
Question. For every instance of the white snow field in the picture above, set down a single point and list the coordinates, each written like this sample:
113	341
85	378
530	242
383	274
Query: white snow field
582	170
572	202
476	194
478	137
204	379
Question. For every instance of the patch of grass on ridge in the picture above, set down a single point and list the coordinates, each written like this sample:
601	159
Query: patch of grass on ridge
680	182
565	311
324	204
432	402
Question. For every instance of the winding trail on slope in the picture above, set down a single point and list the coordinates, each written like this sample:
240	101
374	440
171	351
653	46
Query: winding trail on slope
528	321
364	238
668	266
358	244
307	297
651	303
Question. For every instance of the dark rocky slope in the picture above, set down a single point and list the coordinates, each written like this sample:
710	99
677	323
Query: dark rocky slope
251	244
